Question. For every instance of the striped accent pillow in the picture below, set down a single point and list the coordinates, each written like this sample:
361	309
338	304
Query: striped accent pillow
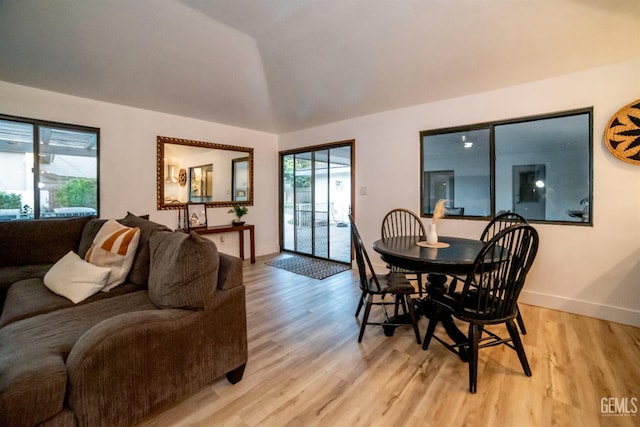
115	247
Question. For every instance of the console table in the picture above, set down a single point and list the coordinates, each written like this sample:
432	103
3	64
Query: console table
216	229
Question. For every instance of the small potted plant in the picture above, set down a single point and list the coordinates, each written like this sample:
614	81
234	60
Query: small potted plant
239	212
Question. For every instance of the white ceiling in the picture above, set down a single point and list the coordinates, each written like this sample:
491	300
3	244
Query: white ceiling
283	65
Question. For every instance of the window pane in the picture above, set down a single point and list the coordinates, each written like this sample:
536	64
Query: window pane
321	204
68	172
288	213
16	166
456	167
340	202
542	168
303	202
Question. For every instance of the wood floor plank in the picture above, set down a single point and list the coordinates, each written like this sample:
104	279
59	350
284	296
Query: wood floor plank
306	368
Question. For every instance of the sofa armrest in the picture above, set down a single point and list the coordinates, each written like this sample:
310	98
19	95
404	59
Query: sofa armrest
229	272
132	364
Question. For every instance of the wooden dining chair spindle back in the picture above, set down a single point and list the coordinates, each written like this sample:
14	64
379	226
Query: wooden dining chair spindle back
497	224
404	222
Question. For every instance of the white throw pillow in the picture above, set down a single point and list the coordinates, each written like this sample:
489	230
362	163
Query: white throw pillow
115	247
75	279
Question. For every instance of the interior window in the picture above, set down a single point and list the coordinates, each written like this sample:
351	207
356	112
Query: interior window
539	167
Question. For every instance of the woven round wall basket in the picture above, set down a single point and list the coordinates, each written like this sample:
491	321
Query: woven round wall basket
622	134
182	177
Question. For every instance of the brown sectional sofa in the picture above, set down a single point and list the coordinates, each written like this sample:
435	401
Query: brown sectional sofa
176	324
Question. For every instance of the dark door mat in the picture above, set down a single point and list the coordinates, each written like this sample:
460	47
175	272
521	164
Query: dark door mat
310	267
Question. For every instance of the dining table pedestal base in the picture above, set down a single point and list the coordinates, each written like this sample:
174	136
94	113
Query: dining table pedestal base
428	308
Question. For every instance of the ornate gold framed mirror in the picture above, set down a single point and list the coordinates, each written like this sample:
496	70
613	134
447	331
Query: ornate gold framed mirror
213	173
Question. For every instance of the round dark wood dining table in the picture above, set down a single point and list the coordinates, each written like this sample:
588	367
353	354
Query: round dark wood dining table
404	252
456	259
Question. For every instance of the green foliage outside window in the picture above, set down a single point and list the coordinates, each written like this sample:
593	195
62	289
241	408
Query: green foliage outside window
78	192
301	181
10	200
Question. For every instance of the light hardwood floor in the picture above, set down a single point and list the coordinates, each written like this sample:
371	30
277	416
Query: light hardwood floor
306	368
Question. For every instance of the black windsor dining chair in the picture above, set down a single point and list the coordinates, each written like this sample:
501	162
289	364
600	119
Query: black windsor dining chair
497	224
489	296
403	222
374	286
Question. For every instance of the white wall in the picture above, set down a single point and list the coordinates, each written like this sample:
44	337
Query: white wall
128	157
587	270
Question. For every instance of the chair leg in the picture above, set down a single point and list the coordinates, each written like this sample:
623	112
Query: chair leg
523	330
397	303
474	338
403	302
361	302
419	280
365	318
412	314
517	343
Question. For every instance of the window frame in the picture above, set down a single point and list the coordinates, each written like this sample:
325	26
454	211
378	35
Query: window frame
491	125
37	124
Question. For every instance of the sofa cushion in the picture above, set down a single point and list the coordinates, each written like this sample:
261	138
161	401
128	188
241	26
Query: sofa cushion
115	247
184	270
75	279
33	376
12	274
28	298
89	232
145	216
139	273
40	241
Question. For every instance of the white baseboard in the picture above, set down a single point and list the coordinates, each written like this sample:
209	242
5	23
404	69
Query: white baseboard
265	250
584	308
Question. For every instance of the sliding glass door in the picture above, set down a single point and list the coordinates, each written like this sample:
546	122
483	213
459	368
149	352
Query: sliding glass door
315	201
